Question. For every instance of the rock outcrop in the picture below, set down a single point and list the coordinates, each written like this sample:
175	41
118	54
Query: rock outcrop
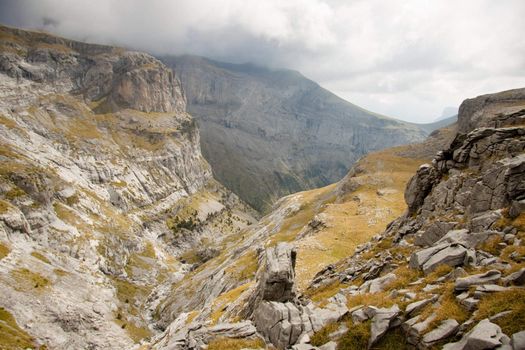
460	239
105	198
268	133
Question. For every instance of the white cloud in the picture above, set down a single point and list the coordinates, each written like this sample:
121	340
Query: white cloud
406	58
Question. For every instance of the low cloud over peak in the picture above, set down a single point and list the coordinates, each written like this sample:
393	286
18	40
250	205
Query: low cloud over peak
407	59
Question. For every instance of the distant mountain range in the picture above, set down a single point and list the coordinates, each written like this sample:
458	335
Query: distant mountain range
268	133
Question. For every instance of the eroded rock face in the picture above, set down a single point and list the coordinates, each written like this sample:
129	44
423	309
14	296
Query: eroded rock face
112	77
100	165
263	133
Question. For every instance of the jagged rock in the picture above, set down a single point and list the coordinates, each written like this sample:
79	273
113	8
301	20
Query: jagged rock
483	278
446	329
516	208
428	259
518	341
278	280
359	316
279	323
517	278
331	345
465	238
417	306
470	303
377	284
381	321
484	221
420	186
479	112
415	327
485	335
433	233
499	315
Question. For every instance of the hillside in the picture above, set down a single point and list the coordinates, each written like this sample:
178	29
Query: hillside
104	192
326	270
268	133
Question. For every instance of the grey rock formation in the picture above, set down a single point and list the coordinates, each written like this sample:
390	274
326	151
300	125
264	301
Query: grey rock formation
473	280
517	278
491	110
485	335
97	153
268	133
381	320
445	329
518	341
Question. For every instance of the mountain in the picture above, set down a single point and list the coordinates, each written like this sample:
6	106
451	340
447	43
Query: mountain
447	113
430	127
315	273
104	193
269	133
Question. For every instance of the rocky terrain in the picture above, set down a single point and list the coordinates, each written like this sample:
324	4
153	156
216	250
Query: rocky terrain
269	133
115	235
448	272
104	192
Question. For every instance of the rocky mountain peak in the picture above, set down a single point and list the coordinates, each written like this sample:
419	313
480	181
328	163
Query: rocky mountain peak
110	77
492	110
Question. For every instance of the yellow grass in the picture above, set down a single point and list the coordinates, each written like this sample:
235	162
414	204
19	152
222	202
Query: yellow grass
235	344
512	300
350	222
12	337
223	300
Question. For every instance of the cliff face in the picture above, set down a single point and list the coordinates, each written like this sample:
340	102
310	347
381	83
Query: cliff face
104	194
271	133
448	272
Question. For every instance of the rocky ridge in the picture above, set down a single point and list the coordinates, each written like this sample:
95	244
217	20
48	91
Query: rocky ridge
104	193
268	133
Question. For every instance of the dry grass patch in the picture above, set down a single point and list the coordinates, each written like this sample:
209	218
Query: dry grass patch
40	257
244	267
224	300
12	337
27	280
447	308
356	337
235	344
381	299
404	276
4	251
323	293
322	336
512	300
491	245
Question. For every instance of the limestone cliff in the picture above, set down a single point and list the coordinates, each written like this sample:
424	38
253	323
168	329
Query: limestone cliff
268	133
104	194
447	273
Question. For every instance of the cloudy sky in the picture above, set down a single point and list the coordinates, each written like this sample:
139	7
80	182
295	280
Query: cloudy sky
408	59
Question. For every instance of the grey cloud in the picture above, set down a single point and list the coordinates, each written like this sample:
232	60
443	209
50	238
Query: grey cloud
407	59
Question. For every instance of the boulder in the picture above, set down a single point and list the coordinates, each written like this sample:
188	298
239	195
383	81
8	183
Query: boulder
485	335
381	321
378	284
517	278
433	233
453	255
279	323
483	278
420	186
417	306
278	279
446	329
331	345
518	341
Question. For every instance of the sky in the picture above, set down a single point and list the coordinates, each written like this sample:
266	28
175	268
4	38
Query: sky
408	59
